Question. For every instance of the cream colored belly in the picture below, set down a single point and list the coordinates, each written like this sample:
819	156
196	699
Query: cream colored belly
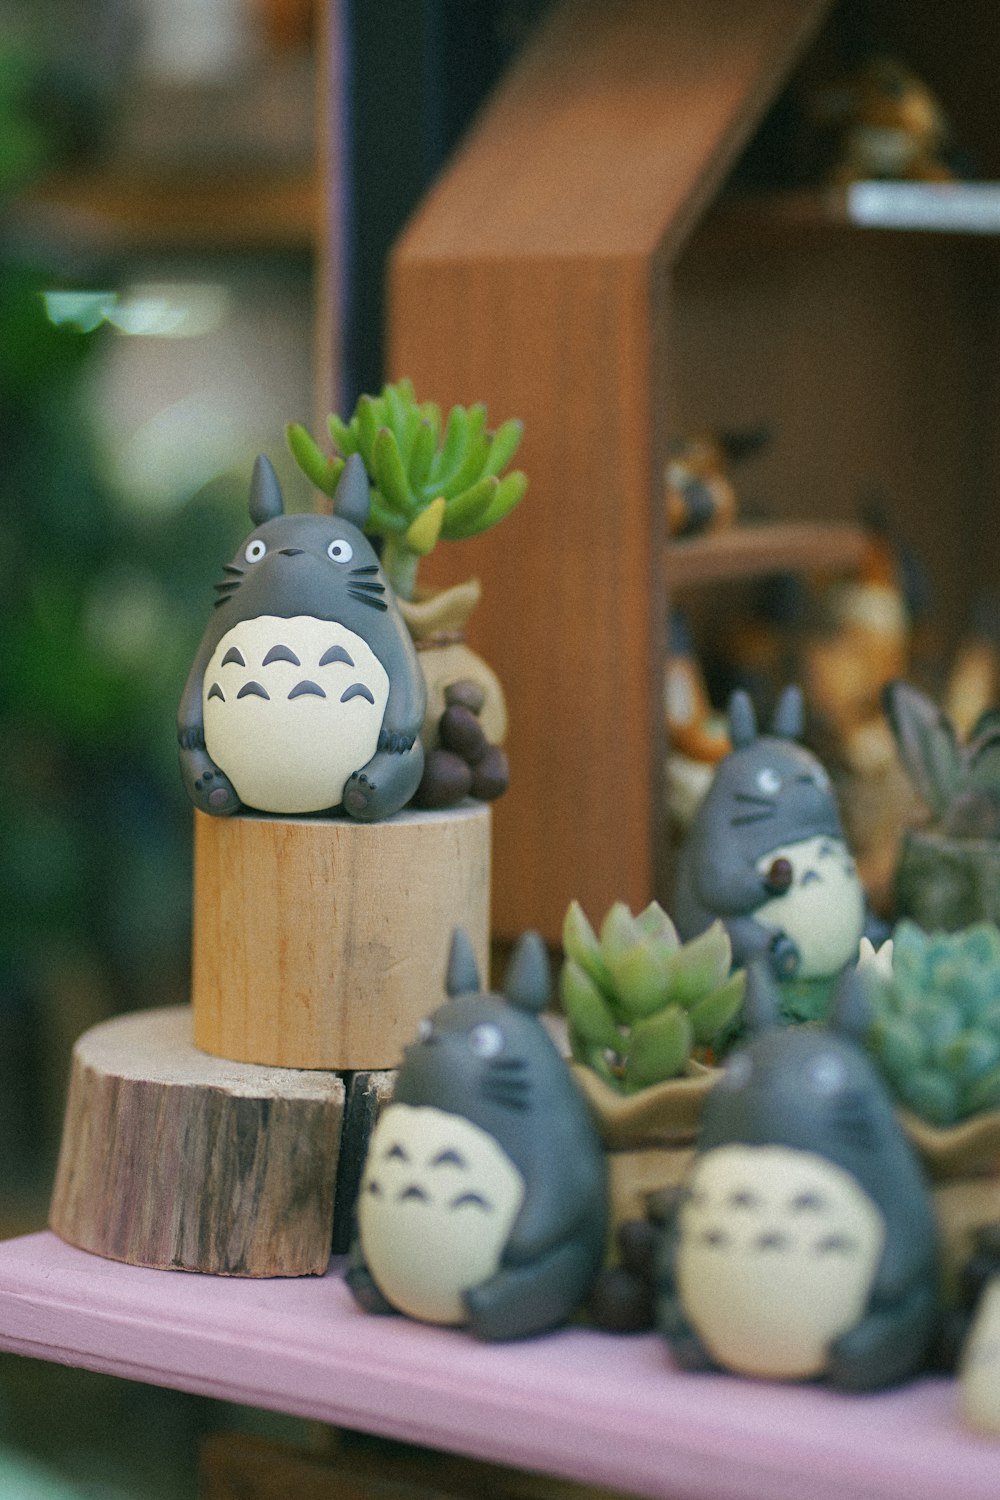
776	1257
438	1199
823	911
292	750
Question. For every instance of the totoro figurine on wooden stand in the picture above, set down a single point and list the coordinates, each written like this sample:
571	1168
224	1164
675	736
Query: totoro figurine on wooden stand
305	694
803	1245
483	1201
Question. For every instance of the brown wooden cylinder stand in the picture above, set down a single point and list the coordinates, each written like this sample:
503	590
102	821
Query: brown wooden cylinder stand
174	1159
321	942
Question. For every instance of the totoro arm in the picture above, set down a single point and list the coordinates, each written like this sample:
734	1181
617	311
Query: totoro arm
190	711
407	701
728	884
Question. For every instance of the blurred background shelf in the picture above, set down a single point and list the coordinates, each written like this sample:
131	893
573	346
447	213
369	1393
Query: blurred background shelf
753	551
117	212
959	208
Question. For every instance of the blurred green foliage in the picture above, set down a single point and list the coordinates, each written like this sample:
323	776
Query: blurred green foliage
101	607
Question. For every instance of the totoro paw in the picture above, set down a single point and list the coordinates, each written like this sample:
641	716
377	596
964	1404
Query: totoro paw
359	795
210	789
785	956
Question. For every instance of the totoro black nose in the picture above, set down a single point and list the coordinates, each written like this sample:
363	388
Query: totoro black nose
290	551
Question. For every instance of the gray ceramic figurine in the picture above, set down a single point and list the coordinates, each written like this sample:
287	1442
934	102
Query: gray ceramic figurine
483	1201
803	1244
766	852
305	694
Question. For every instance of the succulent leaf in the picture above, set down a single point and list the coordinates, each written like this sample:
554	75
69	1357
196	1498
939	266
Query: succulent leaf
450	454
653	922
422	534
971	1055
369	420
719	1009
463	512
390	474
659	1048
421	453
640	980
580	943
509	492
586	1008
343	436
504	443
932	1095
701	965
309	456
982	1093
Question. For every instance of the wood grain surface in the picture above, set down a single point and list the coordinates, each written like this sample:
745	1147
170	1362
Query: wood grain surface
320	943
536	277
180	1161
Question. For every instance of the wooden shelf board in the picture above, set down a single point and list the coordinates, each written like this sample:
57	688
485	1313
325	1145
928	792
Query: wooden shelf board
232	211
753	551
594	1407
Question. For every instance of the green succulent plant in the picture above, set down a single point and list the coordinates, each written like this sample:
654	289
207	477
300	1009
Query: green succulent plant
429	480
959	782
935	1029
640	1003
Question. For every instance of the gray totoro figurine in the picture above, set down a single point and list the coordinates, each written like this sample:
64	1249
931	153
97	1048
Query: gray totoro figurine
483	1201
306	693
766	852
803	1245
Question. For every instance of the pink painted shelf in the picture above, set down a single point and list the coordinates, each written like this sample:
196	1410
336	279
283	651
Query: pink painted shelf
585	1405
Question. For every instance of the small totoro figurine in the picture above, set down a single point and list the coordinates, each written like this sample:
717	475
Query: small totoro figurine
305	694
765	851
483	1200
803	1244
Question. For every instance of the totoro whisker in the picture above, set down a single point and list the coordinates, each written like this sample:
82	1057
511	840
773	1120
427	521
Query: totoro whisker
379	604
742	819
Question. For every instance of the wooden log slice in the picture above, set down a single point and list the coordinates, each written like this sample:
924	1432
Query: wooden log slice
321	942
173	1159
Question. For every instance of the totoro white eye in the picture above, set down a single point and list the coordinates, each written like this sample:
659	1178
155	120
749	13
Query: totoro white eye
737	1072
255	550
340	551
486	1040
827	1073
424	1030
768	781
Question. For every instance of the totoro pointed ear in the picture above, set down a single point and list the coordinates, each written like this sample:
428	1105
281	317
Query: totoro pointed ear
742	719
790	715
851	1010
463	972
761	1003
352	498
265	492
528	983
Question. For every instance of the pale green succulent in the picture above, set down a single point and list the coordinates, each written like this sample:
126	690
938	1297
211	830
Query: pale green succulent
935	1028
428	481
640	1003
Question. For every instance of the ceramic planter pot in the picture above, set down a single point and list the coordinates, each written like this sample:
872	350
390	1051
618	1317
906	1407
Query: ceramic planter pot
963	1164
437	622
649	1136
945	883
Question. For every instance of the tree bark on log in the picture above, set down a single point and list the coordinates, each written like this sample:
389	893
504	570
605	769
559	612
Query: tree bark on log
174	1159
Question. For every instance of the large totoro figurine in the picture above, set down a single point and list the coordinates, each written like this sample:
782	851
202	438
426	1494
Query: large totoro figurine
766	852
305	694
803	1245
483	1200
